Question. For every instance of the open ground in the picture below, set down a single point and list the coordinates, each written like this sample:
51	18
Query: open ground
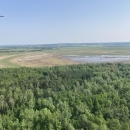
53	57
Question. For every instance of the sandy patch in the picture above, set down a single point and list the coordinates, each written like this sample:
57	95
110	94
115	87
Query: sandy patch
43	59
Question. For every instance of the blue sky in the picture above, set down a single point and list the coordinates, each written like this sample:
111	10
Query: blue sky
64	21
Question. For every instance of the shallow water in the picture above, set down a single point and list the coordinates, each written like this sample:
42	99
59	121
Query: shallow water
99	58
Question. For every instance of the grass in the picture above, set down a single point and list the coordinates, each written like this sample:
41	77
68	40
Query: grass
9	59
92	51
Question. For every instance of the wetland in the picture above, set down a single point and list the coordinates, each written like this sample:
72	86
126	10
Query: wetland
63	54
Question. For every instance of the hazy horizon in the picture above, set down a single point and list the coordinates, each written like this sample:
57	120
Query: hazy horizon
66	21
122	42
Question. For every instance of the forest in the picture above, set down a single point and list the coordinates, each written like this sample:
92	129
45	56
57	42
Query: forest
70	97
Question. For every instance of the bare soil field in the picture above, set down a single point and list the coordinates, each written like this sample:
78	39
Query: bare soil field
40	59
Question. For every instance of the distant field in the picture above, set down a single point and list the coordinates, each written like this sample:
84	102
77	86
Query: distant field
54	56
96	50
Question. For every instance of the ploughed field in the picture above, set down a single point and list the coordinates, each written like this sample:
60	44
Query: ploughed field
64	56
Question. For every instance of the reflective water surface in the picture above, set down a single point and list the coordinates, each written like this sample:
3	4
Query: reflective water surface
99	58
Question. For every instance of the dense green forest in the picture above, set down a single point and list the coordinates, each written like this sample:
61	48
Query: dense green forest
81	97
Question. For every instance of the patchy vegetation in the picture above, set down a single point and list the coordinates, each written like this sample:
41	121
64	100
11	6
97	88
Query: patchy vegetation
52	55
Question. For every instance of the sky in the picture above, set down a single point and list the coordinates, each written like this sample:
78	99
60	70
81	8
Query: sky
64	21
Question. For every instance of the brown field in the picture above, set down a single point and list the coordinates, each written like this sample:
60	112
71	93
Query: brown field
39	60
32	60
55	56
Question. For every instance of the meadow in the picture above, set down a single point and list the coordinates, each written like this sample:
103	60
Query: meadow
52	55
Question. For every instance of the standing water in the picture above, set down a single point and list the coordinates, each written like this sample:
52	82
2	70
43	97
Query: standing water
99	58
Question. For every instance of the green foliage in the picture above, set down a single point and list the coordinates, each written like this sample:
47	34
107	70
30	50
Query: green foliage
81	97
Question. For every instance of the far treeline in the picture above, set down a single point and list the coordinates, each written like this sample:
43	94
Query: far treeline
76	97
43	47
